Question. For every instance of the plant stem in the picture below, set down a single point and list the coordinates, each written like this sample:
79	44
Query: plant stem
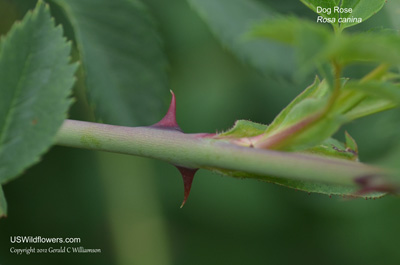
337	86
195	151
377	73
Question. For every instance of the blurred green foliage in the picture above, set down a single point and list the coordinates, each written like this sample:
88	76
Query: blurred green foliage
30	91
129	207
121	58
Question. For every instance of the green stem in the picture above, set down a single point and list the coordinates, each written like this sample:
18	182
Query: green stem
337	87
377	73
195	151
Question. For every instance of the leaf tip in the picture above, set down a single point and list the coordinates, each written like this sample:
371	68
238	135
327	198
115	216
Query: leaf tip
351	143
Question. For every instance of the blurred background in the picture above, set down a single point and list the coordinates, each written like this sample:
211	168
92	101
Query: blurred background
129	206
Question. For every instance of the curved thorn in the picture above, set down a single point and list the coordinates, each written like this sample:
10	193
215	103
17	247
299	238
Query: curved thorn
169	120
187	176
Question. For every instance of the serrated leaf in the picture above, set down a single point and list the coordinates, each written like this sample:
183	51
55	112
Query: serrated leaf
3	203
244	128
363	9
123	63
230	20
35	81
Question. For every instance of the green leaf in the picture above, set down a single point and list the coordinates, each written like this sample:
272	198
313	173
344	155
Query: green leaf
311	40
307	186
230	20
304	109
360	98
305	122
122	59
315	90
314	4
312	135
307	125
364	47
35	82
308	39
363	9
369	105
379	89
244	128
351	143
3	204
393	10
315	46
332	148
282	29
